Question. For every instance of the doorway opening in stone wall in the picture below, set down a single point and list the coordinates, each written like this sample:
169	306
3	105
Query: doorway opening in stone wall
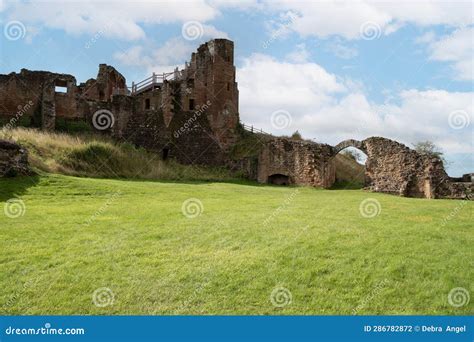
279	179
164	153
349	165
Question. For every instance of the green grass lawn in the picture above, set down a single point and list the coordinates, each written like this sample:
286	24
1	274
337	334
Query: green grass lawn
78	235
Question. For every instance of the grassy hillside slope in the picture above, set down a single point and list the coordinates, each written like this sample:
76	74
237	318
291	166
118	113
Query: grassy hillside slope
349	173
81	235
99	156
91	155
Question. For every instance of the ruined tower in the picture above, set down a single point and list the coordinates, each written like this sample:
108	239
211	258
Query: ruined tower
209	79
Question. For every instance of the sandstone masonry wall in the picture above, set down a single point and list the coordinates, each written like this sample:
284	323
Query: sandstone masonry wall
31	97
193	117
305	163
391	167
13	159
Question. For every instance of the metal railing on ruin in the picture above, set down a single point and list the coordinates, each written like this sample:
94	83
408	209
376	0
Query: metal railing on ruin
152	81
253	129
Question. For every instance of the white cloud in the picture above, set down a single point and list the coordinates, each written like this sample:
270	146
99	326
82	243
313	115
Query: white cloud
122	18
426	38
326	18
266	85
212	32
166	58
457	48
299	55
175	50
346	18
339	49
171	54
134	56
429	12
331	109
236	4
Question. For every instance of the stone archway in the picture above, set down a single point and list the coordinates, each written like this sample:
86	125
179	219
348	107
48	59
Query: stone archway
392	167
349	143
279	179
349	165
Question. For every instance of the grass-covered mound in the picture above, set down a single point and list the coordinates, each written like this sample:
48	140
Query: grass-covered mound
245	243
350	174
86	154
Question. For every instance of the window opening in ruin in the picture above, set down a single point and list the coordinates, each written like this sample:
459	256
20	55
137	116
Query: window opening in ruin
147	103
228	86
165	153
61	90
191	104
60	86
279	179
350	168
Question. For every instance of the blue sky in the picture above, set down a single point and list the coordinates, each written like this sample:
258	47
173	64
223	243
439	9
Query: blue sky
331	69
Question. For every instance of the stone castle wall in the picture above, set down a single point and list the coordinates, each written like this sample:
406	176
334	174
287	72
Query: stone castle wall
391	167
193	117
200	102
302	162
31	97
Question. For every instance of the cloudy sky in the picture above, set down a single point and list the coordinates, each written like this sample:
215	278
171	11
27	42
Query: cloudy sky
330	69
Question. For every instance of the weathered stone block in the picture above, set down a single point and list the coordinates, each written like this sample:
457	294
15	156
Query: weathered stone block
13	159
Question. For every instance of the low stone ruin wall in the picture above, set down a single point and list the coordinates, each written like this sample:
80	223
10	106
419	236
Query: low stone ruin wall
391	167
13	159
302	162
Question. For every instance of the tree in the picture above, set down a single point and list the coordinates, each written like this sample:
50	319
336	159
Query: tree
296	136
353	154
429	148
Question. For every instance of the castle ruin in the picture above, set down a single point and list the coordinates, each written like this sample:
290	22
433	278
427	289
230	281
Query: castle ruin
192	115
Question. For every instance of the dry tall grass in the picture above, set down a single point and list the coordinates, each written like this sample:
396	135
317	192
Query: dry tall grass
100	156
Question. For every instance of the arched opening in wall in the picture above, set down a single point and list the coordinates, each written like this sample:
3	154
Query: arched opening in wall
350	168
165	153
279	179
147	103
